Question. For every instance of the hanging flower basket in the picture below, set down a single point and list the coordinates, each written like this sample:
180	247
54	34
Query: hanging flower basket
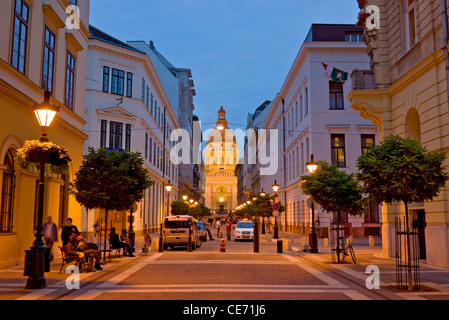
35	151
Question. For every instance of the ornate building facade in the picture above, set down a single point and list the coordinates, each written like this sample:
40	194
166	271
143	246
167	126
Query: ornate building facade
221	157
405	93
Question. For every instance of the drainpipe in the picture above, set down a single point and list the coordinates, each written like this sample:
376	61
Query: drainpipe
446	42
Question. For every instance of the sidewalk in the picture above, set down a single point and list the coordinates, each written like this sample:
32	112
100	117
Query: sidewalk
434	280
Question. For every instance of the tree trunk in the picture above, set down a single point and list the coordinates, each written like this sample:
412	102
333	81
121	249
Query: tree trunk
338	236
409	257
105	233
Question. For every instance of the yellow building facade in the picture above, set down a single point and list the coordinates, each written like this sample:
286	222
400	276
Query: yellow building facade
405	93
221	156
44	47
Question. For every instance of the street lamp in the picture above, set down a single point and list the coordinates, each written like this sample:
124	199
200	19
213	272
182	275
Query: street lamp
36	258
184	197
45	113
168	187
275	187
313	236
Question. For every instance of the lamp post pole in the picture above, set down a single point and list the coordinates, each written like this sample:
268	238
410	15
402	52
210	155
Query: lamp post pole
313	236
276	230
37	258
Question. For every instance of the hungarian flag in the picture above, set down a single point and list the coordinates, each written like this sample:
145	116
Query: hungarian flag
336	75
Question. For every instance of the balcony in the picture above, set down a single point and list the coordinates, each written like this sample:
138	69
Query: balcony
362	80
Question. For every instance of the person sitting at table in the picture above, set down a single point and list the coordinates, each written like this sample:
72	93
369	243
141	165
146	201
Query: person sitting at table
117	244
76	243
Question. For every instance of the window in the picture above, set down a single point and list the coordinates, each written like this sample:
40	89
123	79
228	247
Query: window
148	98
143	90
154	152
306	101
115	135
7	200
372	213
151	105
128	137
158	157
336	101
104	125
354	37
73	3
118	82
70	81
367	142
129	85
146	145
20	36
49	60
410	26
151	149
105	79
338	150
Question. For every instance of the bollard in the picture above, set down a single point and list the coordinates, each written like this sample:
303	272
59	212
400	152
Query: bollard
220	234
279	246
222	245
326	242
371	241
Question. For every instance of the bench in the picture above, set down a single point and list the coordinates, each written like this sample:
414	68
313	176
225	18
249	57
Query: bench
70	259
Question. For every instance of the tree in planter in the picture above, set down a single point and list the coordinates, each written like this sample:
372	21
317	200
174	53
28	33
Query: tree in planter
400	170
179	208
335	191
110	180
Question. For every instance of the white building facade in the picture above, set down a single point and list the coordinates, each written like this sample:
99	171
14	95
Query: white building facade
313	116
128	109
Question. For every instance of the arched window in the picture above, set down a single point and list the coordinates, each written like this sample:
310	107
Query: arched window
7	197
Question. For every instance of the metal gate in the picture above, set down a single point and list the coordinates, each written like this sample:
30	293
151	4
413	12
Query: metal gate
403	269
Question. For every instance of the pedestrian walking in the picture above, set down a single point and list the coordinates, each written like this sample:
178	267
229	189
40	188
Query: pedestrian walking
207	227
50	232
218	226
229	228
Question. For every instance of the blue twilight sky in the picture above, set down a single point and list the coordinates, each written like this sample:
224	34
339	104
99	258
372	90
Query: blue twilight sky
240	51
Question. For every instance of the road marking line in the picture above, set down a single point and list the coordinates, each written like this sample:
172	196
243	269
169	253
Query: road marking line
320	275
37	294
126	273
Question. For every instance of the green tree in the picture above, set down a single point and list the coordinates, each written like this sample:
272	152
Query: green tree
335	191
401	170
200	211
179	208
110	180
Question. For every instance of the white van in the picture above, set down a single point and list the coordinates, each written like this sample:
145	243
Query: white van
176	231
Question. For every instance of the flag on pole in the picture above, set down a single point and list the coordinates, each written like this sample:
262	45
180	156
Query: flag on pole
335	74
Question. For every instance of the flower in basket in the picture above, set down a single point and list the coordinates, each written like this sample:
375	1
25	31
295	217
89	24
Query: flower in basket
35	151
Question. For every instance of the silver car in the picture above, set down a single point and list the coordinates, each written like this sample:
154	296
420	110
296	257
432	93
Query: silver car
176	231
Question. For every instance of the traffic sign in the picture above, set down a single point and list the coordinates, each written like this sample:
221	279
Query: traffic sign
147	240
275	213
276	206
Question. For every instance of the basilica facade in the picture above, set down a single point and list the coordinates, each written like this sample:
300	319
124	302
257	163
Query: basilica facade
221	156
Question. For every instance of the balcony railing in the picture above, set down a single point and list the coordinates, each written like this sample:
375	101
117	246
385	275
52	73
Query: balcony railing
363	80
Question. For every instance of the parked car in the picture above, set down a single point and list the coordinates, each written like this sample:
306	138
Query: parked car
244	230
176	231
202	231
